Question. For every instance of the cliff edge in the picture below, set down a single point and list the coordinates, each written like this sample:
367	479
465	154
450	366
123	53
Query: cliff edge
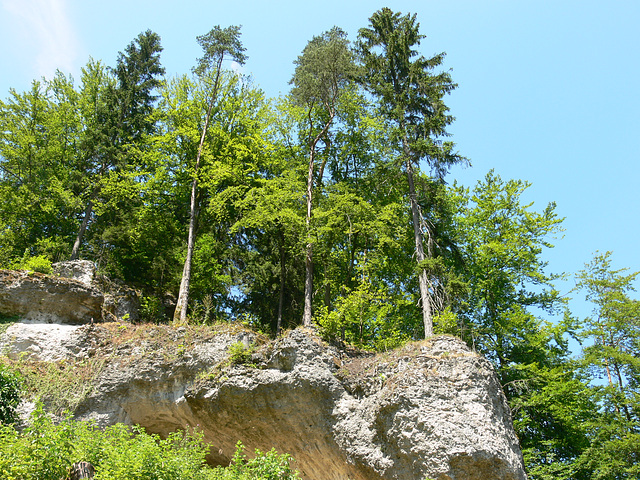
432	409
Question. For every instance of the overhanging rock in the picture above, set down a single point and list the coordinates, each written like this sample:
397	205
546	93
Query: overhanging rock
432	409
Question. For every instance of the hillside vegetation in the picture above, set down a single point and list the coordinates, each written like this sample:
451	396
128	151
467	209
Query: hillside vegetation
327	206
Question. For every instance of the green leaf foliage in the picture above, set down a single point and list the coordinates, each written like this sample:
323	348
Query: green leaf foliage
264	466
611	359
46	451
38	263
329	206
10	389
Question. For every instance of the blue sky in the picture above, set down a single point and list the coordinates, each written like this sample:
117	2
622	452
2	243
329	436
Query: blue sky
548	90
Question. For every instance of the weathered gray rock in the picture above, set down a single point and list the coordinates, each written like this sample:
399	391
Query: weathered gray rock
42	342
47	298
121	302
81	270
74	294
432	409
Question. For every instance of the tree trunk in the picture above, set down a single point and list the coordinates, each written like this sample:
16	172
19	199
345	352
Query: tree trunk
625	407
308	286
308	277
81	470
83	227
282	280
423	281
327	295
180	314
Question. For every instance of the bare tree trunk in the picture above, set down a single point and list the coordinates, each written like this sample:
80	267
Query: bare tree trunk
308	286
423	281
327	295
180	314
282	280
83	227
81	470
625	407
308	278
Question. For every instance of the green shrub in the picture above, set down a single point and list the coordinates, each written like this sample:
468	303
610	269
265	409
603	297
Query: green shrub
121	455
151	310
447	322
367	317
265	466
42	452
46	451
239	354
10	387
38	263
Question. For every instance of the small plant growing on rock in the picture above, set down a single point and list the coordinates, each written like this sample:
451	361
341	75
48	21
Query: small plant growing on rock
239	353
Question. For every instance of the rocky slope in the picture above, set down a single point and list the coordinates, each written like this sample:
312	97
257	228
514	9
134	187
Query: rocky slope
433	409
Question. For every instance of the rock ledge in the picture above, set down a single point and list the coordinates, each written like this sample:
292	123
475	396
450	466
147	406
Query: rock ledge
431	409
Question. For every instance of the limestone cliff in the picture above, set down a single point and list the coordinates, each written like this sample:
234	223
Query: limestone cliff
431	409
74	294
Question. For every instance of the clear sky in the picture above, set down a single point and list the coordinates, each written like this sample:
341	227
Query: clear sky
548	90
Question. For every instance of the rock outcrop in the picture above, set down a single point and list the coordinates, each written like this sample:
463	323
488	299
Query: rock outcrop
431	409
73	295
48	298
83	271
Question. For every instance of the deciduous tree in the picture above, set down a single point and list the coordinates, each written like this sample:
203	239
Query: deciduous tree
611	354
218	45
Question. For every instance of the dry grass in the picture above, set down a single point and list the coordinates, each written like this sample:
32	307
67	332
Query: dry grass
64	384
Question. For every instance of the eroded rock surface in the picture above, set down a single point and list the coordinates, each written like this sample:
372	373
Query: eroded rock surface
83	271
432	409
74	295
36	297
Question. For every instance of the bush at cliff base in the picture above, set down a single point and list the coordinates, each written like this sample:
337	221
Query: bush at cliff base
9	394
47	451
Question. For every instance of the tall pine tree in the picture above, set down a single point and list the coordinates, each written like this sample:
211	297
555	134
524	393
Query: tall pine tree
410	97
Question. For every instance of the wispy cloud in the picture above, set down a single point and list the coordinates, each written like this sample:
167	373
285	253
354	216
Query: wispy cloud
44	26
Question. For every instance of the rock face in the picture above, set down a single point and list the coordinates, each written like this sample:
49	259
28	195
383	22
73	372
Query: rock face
46	298
74	295
82	270
431	409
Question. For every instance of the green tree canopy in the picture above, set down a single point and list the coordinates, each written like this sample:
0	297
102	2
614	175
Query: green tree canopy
410	97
